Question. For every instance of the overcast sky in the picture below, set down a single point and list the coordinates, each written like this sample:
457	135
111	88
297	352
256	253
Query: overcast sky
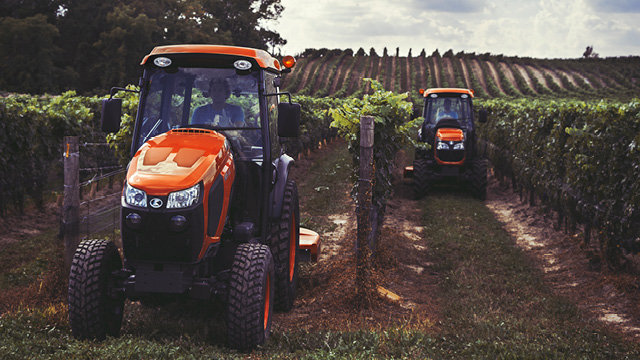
525	28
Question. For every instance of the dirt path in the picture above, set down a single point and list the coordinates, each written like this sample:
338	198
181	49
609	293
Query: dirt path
538	74
465	73
554	76
448	71
410	69
307	72
423	74
391	73
344	67
14	228
355	80
603	295
507	72
475	67
569	77
524	75
494	75
436	71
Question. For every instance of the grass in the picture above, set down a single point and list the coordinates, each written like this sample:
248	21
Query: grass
496	304
493	303
324	187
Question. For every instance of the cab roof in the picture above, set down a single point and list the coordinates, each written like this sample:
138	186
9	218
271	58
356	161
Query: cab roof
262	57
448	90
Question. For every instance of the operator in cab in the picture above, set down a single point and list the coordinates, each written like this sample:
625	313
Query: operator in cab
218	113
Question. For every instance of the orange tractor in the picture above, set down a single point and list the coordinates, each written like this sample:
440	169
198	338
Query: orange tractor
449	129
208	208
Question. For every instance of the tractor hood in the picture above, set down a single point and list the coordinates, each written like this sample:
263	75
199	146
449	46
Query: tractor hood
178	160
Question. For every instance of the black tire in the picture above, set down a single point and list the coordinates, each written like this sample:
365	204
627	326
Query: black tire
95	309
422	178
251	291
478	181
284	241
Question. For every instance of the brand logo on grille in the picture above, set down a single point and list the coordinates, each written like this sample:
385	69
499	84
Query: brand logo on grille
155	203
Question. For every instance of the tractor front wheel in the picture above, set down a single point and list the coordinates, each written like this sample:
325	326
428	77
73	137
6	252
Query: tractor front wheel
250	301
422	178
478	182
95	307
285	243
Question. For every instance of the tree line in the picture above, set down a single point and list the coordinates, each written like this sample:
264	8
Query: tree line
49	46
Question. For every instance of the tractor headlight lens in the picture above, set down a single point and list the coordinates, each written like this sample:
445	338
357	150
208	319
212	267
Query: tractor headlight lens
458	146
442	145
135	197
184	198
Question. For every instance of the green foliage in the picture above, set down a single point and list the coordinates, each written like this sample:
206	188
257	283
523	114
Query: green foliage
315	122
582	158
31	135
392	131
120	142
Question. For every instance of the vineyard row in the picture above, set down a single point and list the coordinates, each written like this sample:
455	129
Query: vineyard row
339	73
582	159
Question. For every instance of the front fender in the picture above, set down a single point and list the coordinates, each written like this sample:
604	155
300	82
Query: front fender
280	177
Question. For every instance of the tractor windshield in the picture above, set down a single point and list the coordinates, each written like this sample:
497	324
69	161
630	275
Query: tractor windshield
448	106
224	100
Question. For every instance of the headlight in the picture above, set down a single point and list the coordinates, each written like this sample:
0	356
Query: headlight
458	146
183	198
442	146
135	197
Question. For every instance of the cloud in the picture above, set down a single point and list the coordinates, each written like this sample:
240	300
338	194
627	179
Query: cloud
525	28
450	6
616	6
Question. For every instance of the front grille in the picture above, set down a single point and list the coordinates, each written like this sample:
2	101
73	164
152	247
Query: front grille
192	131
155	241
450	155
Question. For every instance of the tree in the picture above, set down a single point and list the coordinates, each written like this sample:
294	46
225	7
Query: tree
588	53
20	9
372	52
128	38
103	41
28	56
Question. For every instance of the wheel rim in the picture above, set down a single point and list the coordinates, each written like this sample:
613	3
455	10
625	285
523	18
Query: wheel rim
267	301
292	247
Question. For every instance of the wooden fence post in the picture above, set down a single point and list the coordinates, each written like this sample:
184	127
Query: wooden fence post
364	206
71	202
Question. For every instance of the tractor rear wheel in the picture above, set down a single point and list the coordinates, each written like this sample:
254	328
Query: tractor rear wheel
250	301
478	182
421	178
95	308
285	243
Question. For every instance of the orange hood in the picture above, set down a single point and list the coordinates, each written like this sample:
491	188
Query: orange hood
448	134
178	160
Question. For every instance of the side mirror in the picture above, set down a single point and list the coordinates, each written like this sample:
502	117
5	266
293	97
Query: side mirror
288	119
482	115
111	114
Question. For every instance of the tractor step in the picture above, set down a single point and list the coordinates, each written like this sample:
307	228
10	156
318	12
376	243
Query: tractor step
309	245
408	171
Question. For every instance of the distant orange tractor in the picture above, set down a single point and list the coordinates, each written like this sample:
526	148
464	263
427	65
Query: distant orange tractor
449	129
208	208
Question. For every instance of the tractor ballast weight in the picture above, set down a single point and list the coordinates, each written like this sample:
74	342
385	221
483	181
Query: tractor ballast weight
449	129
208	208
